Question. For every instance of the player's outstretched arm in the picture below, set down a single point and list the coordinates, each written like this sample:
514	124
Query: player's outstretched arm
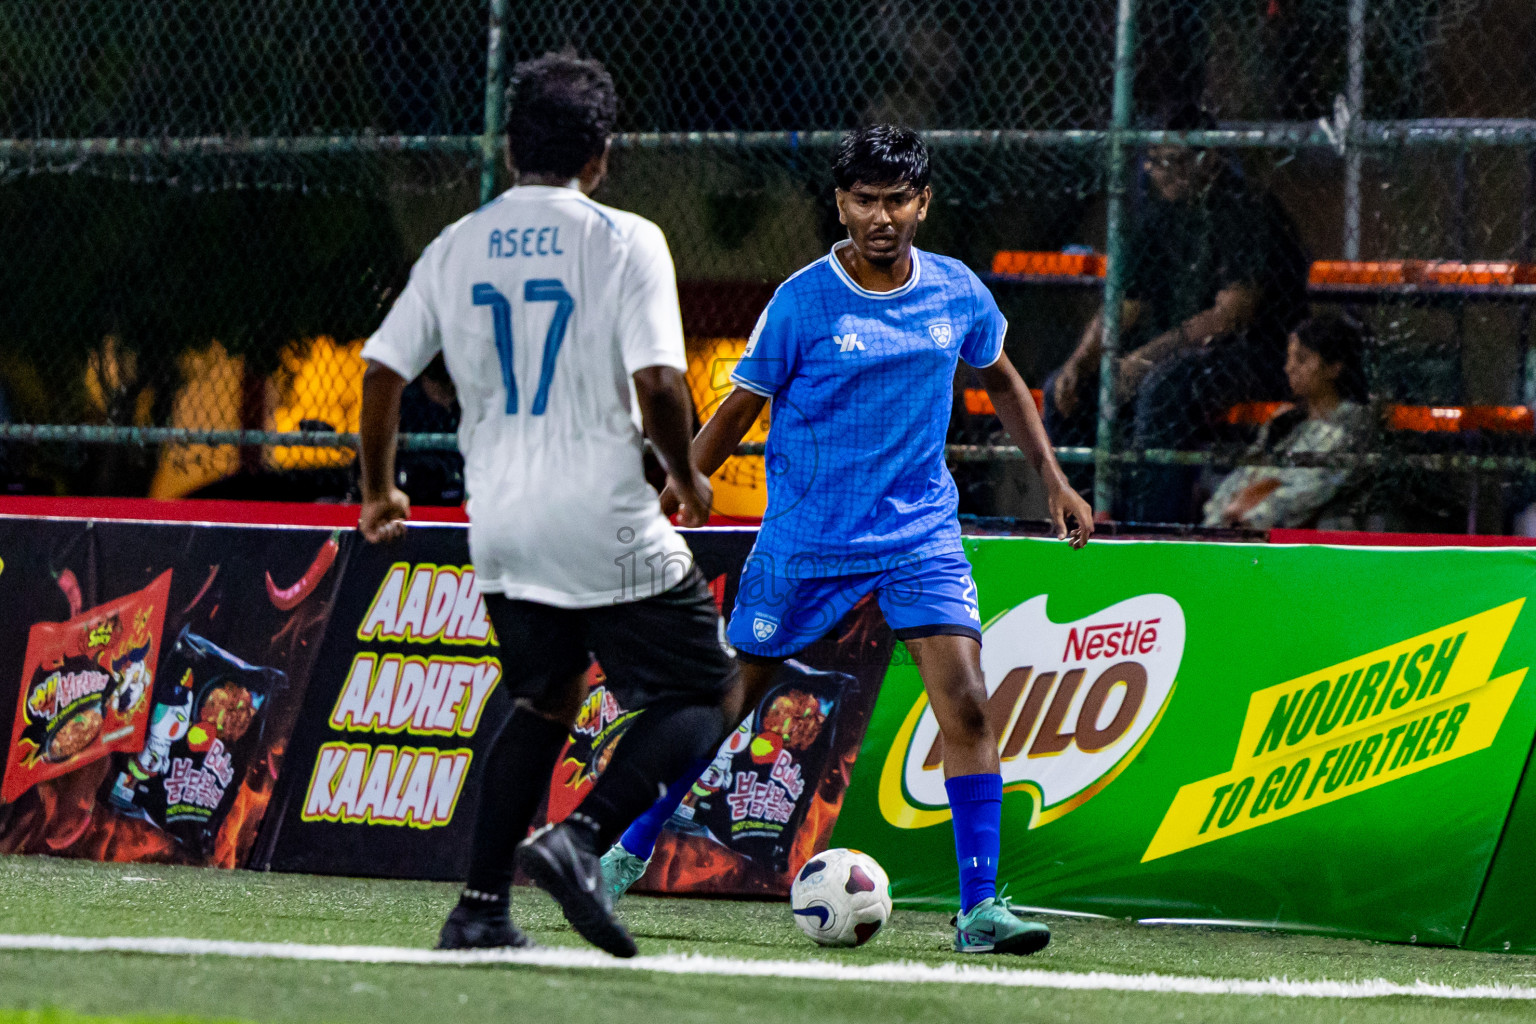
720	437
667	414
385	506
723	433
1016	408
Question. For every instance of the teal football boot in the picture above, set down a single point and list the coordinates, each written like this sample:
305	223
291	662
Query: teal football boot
621	869
991	926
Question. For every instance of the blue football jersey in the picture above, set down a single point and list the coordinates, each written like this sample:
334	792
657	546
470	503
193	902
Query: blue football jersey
861	387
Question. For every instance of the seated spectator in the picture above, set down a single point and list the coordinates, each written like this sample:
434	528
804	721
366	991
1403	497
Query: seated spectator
1215	278
1325	366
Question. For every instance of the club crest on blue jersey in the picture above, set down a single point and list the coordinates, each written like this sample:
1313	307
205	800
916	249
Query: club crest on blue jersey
764	627
941	333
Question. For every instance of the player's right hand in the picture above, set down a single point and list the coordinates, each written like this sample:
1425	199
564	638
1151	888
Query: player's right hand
669	500
1065	503
693	500
383	519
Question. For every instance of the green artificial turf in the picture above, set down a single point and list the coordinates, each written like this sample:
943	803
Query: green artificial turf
54	1015
74	898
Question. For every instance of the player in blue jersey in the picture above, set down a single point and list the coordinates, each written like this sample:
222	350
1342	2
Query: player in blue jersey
857	354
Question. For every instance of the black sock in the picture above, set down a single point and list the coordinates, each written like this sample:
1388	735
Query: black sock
484	904
515	782
665	739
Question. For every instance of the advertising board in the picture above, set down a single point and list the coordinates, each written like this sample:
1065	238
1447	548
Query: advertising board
1322	738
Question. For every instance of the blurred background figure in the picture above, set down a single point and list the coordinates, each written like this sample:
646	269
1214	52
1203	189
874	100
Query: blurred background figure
1324	365
1216	278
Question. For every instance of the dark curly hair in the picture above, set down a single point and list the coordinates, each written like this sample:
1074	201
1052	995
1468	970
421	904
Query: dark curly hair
1340	340
561	110
881	154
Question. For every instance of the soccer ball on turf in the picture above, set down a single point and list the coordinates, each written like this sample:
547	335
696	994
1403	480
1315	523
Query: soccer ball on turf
841	898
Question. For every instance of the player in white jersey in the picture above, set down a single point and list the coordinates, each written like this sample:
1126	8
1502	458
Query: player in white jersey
558	320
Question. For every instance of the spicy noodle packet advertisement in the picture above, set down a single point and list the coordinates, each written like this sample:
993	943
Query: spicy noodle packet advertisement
296	699
85	687
152	678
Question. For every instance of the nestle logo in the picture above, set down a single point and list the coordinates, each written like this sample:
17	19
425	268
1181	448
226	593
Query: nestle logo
1111	640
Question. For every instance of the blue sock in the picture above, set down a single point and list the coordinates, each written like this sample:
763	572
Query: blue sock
977	804
640	838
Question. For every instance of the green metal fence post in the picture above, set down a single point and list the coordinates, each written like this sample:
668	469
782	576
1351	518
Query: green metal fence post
1354	109
495	98
1105	471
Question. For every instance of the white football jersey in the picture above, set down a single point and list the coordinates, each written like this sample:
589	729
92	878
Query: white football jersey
543	304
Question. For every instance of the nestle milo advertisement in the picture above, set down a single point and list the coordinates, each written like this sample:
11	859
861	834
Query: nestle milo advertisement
1327	739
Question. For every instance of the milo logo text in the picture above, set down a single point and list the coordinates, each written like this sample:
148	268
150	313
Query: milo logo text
1070	703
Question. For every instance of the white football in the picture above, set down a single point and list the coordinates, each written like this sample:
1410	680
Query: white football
841	898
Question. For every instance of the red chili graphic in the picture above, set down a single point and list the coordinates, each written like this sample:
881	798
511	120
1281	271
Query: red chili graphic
288	598
213	571
71	588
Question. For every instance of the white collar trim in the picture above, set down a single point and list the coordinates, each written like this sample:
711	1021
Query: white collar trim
847	279
530	191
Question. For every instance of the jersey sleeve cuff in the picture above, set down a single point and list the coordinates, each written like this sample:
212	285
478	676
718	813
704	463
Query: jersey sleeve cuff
996	355
669	360
391	360
747	385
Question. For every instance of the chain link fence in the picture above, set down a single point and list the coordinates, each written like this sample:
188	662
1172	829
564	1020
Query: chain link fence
1367	160
204	204
209	204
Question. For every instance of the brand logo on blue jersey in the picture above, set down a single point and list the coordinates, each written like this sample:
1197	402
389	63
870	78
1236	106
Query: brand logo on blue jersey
764	627
848	343
941	333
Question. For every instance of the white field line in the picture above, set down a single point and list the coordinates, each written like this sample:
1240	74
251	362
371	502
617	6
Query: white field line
808	970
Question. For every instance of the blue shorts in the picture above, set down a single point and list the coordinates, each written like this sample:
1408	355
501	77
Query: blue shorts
776	617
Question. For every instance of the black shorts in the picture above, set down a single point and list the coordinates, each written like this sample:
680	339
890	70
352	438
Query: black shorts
664	646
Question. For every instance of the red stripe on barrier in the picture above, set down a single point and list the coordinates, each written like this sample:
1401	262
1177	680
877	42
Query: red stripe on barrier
278	513
190	510
235	513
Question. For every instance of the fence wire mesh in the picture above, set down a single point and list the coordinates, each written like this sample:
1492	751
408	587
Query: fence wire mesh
197	197
209	203
1406	222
